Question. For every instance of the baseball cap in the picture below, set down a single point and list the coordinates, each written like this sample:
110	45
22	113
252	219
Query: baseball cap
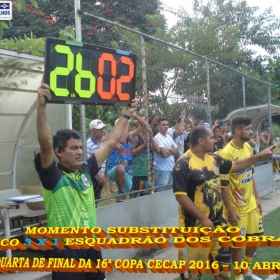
207	124
221	122
97	124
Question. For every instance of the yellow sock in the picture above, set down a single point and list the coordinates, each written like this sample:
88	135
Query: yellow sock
238	276
248	260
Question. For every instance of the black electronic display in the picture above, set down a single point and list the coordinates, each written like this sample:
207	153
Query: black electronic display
79	73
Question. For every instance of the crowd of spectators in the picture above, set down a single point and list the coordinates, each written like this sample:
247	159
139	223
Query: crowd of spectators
151	149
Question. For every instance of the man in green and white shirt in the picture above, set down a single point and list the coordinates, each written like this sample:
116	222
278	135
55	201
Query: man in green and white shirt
67	186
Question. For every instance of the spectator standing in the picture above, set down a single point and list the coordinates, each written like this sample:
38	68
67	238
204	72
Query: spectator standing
189	124
94	142
265	138
155	129
164	159
224	130
228	126
140	158
255	143
189	128
178	134
119	167
218	140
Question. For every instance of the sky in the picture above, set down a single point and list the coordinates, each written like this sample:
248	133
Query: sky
187	4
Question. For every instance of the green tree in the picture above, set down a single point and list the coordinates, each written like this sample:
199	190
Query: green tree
272	74
221	30
53	16
18	5
56	18
224	31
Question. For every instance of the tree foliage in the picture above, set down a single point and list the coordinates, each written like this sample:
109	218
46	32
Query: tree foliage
225	31
26	44
222	30
51	16
18	5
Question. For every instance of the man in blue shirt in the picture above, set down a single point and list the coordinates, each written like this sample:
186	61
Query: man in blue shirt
119	167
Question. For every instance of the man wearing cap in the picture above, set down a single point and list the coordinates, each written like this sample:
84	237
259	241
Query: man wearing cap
223	130
94	142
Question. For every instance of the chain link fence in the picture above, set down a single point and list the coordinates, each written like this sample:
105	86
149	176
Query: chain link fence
169	80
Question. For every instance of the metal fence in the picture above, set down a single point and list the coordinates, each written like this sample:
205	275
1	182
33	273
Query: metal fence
171	79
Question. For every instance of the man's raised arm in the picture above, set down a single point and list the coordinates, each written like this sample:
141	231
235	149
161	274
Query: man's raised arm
115	134
43	129
181	126
245	163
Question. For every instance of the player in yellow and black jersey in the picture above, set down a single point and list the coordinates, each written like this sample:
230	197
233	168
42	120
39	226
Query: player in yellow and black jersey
197	188
242	203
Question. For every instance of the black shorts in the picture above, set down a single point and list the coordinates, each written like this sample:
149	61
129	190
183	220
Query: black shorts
76	254
136	180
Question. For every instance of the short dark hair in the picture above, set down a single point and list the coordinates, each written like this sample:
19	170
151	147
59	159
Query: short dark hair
199	131
240	122
62	136
162	119
215	128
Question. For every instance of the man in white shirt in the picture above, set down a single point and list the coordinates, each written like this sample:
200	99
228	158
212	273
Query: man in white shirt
164	160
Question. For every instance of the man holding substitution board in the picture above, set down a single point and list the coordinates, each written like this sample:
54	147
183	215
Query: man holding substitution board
84	74
67	186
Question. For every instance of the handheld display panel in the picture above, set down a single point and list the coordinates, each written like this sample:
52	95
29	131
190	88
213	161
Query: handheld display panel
87	74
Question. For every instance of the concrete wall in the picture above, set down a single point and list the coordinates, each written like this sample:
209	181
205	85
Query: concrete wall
159	209
264	179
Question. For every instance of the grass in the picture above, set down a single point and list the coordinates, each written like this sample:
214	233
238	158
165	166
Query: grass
271	227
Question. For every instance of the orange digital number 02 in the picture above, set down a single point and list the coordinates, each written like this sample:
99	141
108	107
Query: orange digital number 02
125	79
114	85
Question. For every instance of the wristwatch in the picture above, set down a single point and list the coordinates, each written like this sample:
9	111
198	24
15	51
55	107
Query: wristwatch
125	116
